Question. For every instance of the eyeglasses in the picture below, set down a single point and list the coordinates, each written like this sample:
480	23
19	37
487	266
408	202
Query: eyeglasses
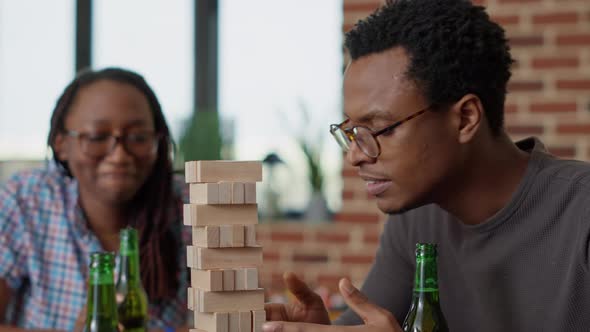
365	138
139	144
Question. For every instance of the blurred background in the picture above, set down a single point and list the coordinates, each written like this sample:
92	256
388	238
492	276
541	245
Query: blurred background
264	77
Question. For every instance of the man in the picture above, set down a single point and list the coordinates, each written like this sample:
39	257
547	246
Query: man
423	100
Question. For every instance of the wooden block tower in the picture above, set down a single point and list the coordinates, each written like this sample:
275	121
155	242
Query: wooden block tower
224	257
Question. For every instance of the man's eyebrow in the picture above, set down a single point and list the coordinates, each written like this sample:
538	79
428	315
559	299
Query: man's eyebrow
376	114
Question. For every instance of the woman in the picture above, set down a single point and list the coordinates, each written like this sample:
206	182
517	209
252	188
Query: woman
112	168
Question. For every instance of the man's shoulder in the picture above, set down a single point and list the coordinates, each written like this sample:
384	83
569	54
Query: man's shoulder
566	171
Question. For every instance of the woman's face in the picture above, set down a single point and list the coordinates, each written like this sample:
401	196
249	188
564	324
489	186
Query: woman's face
99	110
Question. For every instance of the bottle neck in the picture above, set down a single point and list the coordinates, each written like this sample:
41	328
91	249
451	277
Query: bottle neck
101	304
426	279
129	272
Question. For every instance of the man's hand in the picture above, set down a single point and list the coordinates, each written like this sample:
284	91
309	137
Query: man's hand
308	306
376	318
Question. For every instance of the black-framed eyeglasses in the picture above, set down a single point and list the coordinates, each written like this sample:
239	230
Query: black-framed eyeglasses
138	144
365	138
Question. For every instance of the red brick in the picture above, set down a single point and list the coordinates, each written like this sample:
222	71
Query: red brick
347	27
278	236
563	151
574	40
553	107
573	84
332	237
371	237
368	7
506	19
556	18
525	41
357	217
525	86
305	258
525	130
555	62
270	256
573	129
510	108
357	259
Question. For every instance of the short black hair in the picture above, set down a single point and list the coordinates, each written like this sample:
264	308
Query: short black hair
453	46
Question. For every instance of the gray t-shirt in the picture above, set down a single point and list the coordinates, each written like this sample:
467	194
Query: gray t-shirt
527	268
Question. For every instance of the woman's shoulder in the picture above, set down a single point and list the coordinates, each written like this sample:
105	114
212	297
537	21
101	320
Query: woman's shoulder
33	190
31	181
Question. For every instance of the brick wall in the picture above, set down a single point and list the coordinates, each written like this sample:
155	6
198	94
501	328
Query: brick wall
549	97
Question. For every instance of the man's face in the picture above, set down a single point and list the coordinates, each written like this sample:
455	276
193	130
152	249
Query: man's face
108	108
418	157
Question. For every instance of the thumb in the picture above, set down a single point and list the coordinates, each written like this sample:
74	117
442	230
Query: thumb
370	313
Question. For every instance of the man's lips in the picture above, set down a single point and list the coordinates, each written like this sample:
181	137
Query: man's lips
376	185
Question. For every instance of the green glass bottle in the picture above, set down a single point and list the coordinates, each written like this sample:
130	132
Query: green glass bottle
101	305
425	314
131	296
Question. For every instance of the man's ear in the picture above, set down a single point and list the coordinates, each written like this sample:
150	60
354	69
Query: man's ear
60	147
470	114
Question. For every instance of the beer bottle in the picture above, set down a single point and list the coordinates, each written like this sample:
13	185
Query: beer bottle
425	314
101	306
131	296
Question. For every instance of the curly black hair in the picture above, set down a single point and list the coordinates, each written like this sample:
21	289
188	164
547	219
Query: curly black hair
453	46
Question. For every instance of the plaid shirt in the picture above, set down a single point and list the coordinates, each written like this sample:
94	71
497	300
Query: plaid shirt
44	253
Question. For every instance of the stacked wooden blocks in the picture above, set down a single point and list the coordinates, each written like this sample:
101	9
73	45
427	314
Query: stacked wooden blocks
224	257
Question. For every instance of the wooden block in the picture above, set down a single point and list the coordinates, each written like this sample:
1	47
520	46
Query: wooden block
251	278
231	236
210	280
190	298
245	321
237	193
240	279
204	193
206	301
225	192
212	322
190	169
215	215
250	193
258	318
223	258
225	236
250	236
238	233
229	280
206	236
234	322
223	170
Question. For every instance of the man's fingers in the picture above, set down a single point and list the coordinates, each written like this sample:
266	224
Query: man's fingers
301	291
370	313
275	311
302	327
